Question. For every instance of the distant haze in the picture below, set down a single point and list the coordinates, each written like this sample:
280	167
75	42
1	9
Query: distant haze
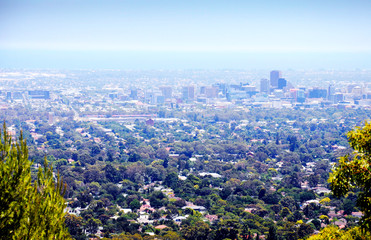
181	60
185	34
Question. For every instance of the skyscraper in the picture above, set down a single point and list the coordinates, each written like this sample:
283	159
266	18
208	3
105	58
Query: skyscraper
317	93
275	75
167	92
282	83
134	94
188	93
264	85
211	92
331	92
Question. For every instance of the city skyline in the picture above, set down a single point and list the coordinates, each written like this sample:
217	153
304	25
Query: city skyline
168	34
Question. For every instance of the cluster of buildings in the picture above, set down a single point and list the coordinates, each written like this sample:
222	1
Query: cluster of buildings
273	92
22	94
357	94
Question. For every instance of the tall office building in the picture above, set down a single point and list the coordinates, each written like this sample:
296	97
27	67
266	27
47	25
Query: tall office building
167	92
331	92
275	75
134	94
188	93
264	85
152	96
338	97
211	92
317	93
282	83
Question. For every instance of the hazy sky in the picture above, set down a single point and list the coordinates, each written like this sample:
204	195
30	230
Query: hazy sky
185	34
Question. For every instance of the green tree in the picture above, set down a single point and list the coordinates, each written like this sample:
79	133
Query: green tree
304	230
285	212
171	180
92	225
28	210
198	231
112	174
288	202
227	229
272	234
170	235
134	205
157	199
348	206
334	233
245	231
354	172
74	224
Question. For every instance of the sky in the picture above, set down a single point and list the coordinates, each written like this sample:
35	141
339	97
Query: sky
185	34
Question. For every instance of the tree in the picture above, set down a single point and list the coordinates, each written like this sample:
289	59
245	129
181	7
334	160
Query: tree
112	174
311	210
293	143
354	171
84	198
198	231
285	212
92	225
28	210
288	202
272	234
134	157
170	235
74	225
134	205
348	206
245	231
304	230
313	180
171	180
157	199
112	189
333	232
227	229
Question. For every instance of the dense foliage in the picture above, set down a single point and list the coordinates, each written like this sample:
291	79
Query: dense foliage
354	171
28	209
200	173
334	233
